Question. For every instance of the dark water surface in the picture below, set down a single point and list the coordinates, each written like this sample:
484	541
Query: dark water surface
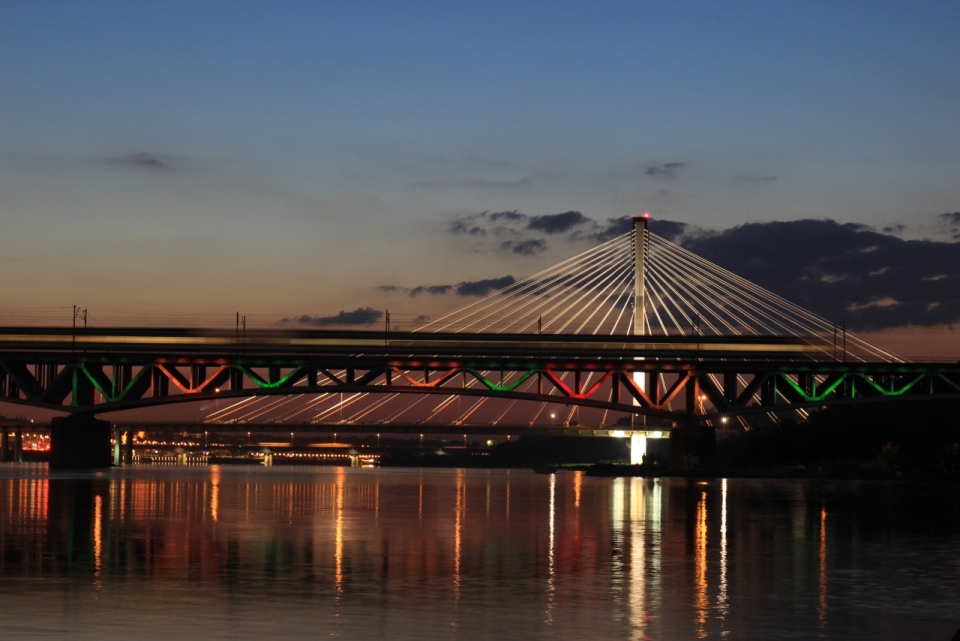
275	553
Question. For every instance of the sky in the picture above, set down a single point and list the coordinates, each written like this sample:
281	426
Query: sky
307	160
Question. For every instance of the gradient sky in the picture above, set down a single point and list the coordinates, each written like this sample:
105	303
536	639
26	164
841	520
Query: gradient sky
291	158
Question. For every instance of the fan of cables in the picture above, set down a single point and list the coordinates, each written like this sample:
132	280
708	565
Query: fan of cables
591	293
685	295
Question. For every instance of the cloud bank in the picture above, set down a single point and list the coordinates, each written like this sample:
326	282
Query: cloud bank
843	270
463	288
359	316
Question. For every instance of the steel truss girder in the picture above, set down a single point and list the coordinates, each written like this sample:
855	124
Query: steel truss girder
103	384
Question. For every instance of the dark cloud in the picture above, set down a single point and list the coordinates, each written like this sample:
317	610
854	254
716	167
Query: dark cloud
843	271
667	169
614	227
951	218
483	222
672	230
669	229
894	229
464	288
359	316
557	223
435	290
389	288
525	247
507	215
140	161
466	226
422	318
516	226
484	287
952	222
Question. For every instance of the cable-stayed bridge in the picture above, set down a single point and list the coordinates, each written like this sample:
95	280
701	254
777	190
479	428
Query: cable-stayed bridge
636	326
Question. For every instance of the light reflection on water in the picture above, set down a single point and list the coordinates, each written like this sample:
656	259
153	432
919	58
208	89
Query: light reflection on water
298	553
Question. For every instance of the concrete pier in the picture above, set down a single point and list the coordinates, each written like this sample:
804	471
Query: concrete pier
128	448
693	447
79	441
117	446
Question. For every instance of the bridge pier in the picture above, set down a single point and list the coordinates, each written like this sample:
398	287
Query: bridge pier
5	445
638	447
18	446
79	441
693	447
128	448
117	446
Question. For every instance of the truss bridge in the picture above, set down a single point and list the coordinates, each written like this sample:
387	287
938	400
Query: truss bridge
634	327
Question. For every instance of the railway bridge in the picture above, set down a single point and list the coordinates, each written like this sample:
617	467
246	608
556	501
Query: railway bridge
635	327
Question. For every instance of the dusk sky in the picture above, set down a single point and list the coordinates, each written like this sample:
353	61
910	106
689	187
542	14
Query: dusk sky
305	158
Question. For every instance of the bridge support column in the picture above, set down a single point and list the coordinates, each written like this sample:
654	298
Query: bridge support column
693	448
18	446
5	444
117	446
638	447
79	441
128	448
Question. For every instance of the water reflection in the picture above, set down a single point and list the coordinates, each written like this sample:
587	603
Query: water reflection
338	540
701	604
637	517
341	551
97	534
458	534
723	606
822	606
638	557
551	577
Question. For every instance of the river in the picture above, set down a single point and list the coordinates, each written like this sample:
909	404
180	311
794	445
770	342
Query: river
295	553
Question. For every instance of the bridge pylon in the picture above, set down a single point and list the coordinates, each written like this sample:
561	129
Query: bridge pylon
638	437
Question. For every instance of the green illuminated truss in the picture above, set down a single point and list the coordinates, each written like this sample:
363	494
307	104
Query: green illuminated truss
682	390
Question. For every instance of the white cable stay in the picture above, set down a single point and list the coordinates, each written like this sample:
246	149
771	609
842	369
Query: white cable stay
591	293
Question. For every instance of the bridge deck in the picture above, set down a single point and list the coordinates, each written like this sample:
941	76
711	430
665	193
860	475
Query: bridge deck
28	342
102	370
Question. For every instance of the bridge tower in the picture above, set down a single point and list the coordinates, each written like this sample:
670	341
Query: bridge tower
638	441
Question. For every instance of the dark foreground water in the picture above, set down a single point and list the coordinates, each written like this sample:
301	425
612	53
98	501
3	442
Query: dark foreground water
274	553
